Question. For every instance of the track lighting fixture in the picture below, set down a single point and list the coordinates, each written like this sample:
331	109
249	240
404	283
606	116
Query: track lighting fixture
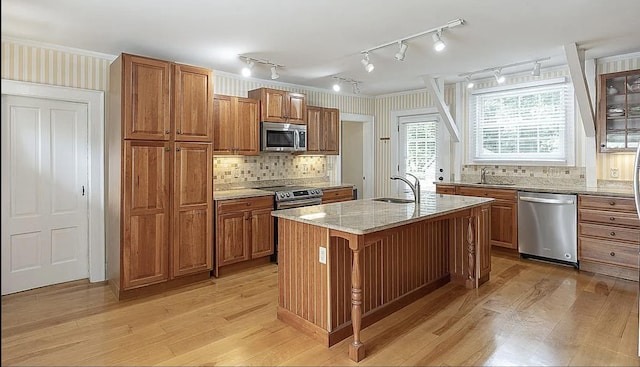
246	71
499	77
368	66
536	69
337	85
470	84
497	71
356	88
402	52
274	72
438	43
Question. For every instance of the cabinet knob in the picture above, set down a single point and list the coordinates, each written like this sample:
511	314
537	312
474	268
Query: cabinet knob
166	149
602	145
177	149
612	253
179	131
612	233
249	218
612	203
167	132
612	218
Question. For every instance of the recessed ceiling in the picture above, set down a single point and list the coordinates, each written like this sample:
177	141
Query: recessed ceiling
316	40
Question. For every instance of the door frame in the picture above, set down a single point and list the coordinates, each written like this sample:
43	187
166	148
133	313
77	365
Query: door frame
368	133
442	160
94	99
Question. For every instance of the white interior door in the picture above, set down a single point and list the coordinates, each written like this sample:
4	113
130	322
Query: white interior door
44	199
417	150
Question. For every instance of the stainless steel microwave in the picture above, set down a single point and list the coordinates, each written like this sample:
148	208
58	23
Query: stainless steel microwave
280	137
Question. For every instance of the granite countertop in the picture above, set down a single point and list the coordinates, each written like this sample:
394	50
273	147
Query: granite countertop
255	192
620	192
367	216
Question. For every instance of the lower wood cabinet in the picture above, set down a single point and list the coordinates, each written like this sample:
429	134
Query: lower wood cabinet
446	189
608	233
504	214
244	233
337	195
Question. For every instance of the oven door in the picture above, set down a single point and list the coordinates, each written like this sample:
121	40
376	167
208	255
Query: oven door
277	138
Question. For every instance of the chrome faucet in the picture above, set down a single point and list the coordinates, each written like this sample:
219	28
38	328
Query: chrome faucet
415	187
483	175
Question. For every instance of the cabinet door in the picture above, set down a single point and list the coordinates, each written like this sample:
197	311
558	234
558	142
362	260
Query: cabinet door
274	108
247	127
504	222
193	209
296	108
446	189
314	117
233	234
262	233
146	209
193	106
145	98
330	131
223	124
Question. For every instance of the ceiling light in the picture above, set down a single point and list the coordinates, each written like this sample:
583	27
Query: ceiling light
499	77
469	82
274	72
402	52
368	66
336	86
438	44
246	71
536	69
356	88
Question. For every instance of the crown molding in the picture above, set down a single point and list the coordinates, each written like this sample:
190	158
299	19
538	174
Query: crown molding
632	55
55	47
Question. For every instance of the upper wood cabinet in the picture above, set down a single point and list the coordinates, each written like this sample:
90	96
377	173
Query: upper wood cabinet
619	111
236	127
323	130
145	92
193	103
281	106
162	100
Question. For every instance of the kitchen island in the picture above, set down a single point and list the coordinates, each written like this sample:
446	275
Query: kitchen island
344	266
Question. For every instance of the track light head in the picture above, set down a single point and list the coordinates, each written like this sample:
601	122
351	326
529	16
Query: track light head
274	72
499	77
356	88
438	43
536	69
470	83
368	66
402	51
246	71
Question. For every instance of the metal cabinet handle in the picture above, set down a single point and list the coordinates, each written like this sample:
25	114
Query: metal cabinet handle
166	149
167	132
612	233
612	203
179	131
612	218
612	253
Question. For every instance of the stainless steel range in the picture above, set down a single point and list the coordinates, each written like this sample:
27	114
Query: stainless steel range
287	197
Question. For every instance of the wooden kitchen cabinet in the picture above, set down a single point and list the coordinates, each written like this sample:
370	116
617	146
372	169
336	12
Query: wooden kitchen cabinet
446	189
236	127
337	195
608	232
323	130
244	233
281	106
159	209
618	111
504	214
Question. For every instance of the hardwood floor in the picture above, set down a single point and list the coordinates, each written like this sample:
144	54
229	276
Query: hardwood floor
529	313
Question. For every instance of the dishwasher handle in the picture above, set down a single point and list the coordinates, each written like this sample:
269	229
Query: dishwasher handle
546	201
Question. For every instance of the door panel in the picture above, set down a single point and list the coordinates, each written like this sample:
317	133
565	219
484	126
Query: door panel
247	127
223	124
193	112
262	230
275	106
417	152
314	116
233	235
44	210
296	108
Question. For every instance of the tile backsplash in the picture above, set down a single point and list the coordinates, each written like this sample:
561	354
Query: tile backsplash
250	171
526	175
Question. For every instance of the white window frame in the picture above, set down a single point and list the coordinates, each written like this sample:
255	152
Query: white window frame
570	136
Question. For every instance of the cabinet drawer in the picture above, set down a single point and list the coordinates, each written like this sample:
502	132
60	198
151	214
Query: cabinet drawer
609	217
334	195
509	195
609	232
446	189
607	203
242	204
609	252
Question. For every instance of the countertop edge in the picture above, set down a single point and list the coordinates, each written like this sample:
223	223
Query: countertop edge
555	190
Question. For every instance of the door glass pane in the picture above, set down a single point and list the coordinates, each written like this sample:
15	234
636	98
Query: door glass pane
615	140
418	154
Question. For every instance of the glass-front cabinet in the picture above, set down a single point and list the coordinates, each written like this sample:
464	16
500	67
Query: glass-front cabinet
619	111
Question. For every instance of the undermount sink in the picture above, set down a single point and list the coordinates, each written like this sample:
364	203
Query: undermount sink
494	184
394	200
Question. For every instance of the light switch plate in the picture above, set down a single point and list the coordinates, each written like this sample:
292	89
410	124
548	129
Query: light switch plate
323	255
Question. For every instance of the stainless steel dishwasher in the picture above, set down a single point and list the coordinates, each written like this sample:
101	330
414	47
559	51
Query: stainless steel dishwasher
547	227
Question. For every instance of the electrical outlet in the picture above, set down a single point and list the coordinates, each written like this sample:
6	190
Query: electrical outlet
615	173
323	255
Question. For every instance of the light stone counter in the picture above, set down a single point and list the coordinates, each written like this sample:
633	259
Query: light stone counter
368	216
330	185
239	194
619	192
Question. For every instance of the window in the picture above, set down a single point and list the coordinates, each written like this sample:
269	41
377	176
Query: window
417	149
530	123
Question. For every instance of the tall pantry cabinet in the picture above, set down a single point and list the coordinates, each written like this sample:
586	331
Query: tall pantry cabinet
160	174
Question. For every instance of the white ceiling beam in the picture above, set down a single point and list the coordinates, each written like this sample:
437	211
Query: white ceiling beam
441	106
575	60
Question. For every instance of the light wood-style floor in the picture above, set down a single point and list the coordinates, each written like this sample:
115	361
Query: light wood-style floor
529	313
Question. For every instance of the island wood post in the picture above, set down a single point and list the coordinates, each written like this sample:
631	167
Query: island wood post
471	281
